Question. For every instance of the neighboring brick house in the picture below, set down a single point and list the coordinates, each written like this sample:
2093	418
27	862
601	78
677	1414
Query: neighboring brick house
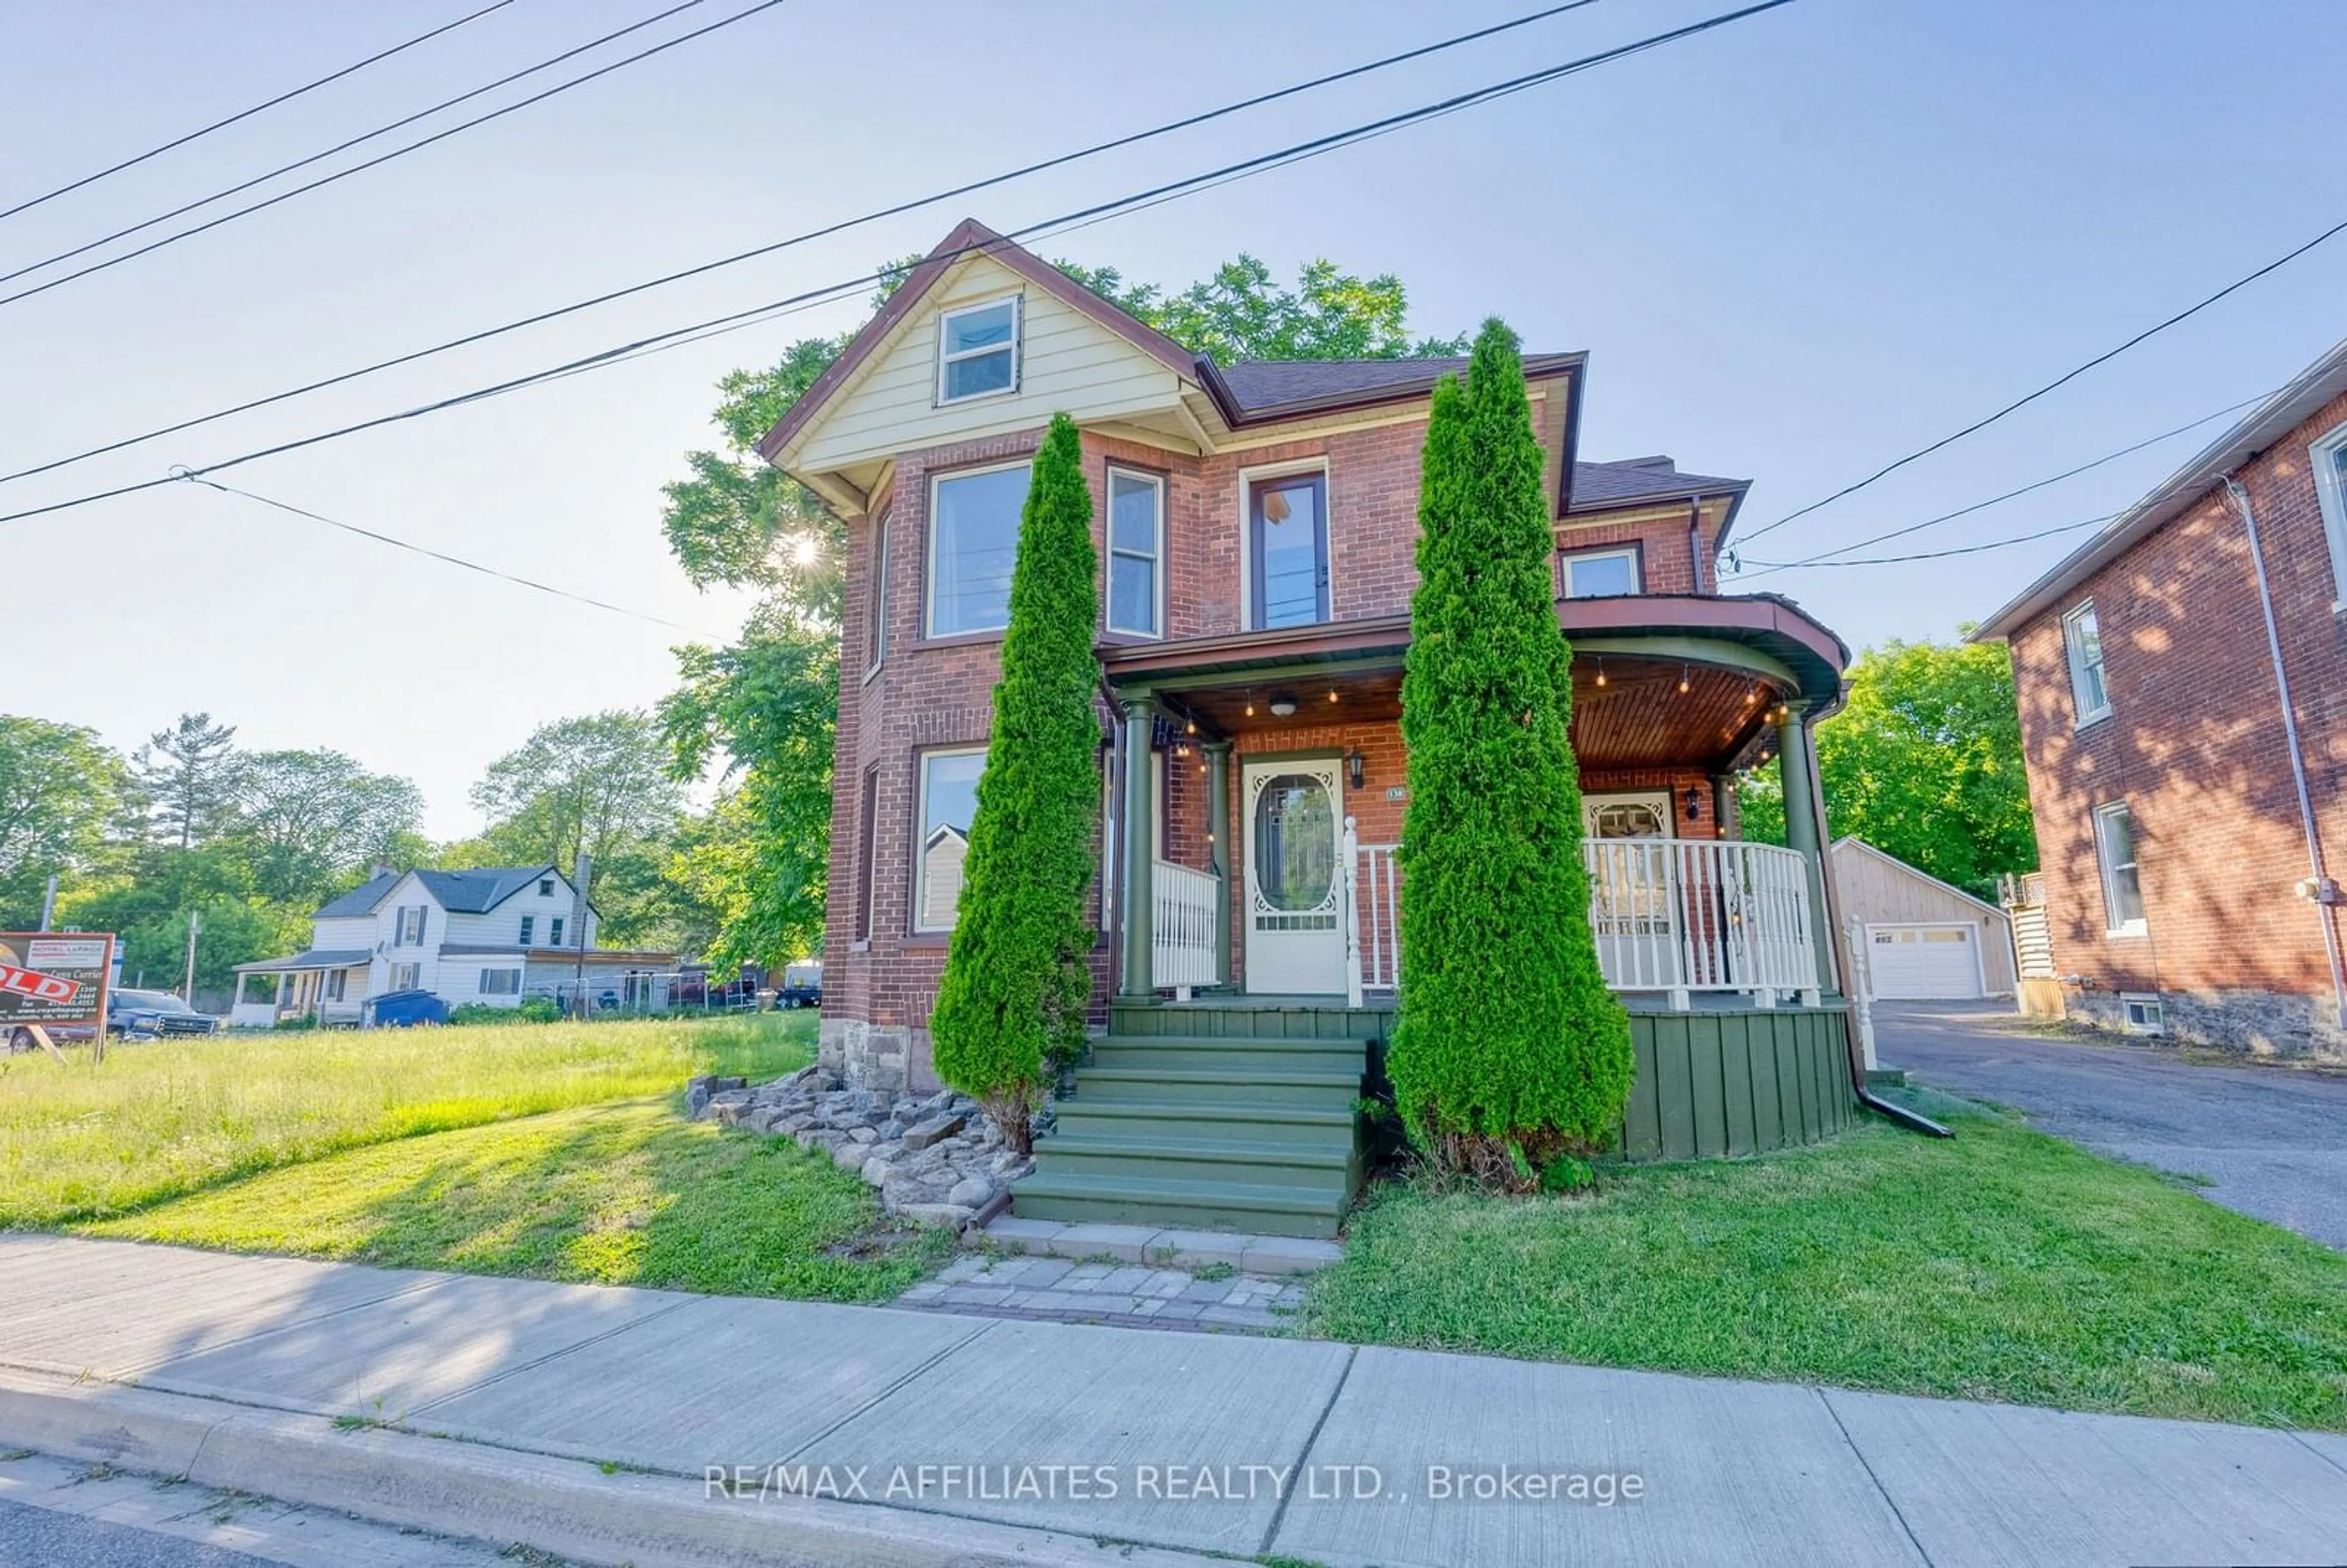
1258	525
2183	687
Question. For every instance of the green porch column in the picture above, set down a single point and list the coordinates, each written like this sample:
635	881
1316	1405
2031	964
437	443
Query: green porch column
1723	806
1797	770
1218	853
1140	909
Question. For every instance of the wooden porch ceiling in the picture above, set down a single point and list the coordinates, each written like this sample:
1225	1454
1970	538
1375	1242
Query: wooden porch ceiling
1638	719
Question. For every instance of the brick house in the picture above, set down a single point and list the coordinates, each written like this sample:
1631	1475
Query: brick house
2183	687
1258	525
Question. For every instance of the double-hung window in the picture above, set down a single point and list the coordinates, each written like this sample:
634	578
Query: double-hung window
554	932
866	850
409	926
403	976
2082	641
948	799
2329	456
1136	553
1599	573
546	886
973	545
1287	550
978	350
528	929
2122	883
500	982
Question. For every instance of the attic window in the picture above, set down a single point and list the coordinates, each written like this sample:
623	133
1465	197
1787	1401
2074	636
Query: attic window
977	351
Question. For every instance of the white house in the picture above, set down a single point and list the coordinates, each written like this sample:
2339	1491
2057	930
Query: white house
491	936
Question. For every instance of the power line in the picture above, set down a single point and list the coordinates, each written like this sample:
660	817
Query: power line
1189	184
249	113
2064	379
189	476
825	231
1993	500
1941	555
458	128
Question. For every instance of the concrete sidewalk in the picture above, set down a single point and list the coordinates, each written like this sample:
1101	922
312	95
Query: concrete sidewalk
586	1420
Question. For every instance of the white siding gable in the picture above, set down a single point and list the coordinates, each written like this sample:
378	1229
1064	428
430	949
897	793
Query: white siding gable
1068	362
354	933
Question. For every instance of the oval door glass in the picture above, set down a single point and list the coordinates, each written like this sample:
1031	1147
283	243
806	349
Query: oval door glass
1294	842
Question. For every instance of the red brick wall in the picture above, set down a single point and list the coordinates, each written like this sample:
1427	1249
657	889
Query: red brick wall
1667	565
2196	745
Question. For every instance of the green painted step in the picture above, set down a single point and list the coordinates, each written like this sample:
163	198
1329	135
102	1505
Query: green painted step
1205	1052
1236	1086
1285	1126
1117	1152
1183	1204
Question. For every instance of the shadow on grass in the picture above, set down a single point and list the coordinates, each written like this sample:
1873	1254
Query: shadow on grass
620	1194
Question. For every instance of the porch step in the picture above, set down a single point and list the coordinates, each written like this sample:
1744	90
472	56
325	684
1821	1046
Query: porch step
1183	1205
1219	1054
1324	1089
1207	1129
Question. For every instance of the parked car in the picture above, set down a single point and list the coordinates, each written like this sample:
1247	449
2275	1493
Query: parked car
159	1013
802	987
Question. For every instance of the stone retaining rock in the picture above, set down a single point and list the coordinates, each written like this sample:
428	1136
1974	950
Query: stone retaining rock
934	1161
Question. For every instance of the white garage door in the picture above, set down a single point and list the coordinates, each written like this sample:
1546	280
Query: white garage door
1924	962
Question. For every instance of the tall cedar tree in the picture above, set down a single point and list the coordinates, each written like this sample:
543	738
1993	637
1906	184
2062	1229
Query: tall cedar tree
1016	980
1509	1049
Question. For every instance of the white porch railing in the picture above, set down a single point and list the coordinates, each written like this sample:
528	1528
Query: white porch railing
1182	951
1675	915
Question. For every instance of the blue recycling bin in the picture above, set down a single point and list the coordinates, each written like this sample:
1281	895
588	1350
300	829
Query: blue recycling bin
405	1009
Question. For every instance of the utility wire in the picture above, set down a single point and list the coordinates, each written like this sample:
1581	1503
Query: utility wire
461	127
249	113
1820	558
811	235
189	476
2064	379
1941	555
1295	153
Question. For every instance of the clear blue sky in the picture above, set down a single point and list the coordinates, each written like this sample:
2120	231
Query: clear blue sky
1796	248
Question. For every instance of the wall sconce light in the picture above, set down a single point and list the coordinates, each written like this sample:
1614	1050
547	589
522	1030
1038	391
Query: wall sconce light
1357	769
1693	803
1282	707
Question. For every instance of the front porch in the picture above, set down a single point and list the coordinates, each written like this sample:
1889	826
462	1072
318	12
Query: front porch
1261	787
325	985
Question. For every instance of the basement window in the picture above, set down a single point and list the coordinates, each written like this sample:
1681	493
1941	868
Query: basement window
2145	1013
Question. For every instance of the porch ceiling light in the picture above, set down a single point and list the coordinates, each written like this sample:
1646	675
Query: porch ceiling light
1282	707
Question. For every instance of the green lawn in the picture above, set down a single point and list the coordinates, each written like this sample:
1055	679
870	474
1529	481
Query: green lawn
83	1141
2000	1265
618	1195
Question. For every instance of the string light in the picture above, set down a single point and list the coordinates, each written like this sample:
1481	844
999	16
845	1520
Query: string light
1682	679
1601	671
1332	693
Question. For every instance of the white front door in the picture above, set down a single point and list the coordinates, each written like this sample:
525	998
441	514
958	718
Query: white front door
1633	905
1294	940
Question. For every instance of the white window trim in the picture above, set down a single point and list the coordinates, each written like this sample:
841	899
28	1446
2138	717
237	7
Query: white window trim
2144	1000
929	550
2138	926
876	593
1248	479
2331	497
1660	799
920	830
1568	559
1018	338
1108	539
414	977
2077	668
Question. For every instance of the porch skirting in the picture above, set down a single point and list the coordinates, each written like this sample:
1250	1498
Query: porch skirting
1713	1085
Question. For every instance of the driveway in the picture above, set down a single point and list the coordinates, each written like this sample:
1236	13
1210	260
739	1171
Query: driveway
2272	1139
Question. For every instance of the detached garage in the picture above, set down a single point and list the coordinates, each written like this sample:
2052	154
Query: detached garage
1923	940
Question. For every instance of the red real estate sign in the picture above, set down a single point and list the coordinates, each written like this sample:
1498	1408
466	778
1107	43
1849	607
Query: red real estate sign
51	978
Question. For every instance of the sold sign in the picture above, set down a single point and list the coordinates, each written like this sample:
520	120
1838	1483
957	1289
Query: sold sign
39	987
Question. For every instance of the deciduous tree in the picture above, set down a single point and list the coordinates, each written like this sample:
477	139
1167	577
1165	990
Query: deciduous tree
311	821
1508	1049
60	790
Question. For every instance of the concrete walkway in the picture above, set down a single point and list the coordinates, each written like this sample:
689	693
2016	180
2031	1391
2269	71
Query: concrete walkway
928	1438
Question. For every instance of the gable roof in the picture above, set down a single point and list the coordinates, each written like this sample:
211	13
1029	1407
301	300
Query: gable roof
1637	481
970	238
1852	841
459	892
1254	392
2260	429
